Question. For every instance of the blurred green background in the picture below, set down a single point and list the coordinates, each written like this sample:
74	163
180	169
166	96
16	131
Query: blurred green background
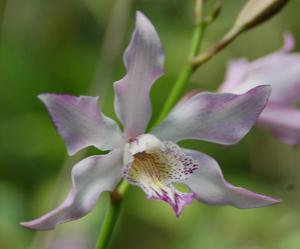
76	47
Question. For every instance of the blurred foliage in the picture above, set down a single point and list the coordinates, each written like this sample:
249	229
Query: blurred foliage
55	46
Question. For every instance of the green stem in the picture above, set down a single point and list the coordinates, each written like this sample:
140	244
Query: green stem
184	75
108	224
230	36
111	217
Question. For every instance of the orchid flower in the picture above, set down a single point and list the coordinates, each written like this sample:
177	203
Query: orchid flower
281	70
154	162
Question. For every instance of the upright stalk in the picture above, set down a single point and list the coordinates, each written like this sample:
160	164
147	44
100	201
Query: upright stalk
3	5
112	215
184	75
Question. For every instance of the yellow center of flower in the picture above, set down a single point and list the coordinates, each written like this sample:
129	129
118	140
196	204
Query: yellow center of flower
151	170
155	166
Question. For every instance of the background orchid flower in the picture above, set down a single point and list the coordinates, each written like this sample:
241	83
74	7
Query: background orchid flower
280	69
151	161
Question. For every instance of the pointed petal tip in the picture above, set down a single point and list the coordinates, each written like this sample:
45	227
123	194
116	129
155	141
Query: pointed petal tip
266	92
263	88
42	97
141	18
272	201
139	14
25	224
265	201
288	42
80	122
188	199
33	225
71	152
248	199
45	96
178	213
90	178
211	188
276	201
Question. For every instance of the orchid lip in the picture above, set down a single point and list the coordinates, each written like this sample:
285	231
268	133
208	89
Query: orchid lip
155	168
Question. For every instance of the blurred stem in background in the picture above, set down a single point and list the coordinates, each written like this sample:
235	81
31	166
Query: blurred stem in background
252	14
113	39
2	13
111	48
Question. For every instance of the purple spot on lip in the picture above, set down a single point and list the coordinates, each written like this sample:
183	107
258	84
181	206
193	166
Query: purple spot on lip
178	202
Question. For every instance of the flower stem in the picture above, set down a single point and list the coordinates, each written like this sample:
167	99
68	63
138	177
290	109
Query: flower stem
111	217
109	223
229	37
185	74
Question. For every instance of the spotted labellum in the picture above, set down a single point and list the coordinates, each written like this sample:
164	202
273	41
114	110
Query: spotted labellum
154	162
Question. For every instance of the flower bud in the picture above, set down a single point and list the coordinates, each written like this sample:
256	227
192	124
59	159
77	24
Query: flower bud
253	13
257	11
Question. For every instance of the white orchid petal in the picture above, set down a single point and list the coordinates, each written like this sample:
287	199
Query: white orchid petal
80	123
210	187
221	118
144	60
280	69
90	177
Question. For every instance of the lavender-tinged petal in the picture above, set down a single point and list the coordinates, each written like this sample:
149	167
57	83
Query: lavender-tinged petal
80	123
235	74
210	187
175	198
280	69
143	60
288	43
283	121
90	177
221	118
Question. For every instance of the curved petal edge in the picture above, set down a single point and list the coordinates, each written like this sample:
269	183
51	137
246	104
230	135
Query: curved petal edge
211	188
144	59
222	118
90	177
80	123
